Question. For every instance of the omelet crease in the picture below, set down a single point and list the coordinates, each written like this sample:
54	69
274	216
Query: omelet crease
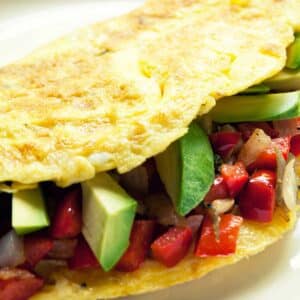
115	93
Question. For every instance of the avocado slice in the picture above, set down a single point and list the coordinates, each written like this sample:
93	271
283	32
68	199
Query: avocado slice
187	169
285	81
293	54
256	89
108	215
267	107
28	211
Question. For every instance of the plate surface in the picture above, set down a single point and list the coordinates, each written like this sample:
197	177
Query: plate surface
274	274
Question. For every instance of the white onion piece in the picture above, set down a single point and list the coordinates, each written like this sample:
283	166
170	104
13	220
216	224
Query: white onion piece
136	180
11	250
63	249
256	144
221	206
194	222
289	185
286	127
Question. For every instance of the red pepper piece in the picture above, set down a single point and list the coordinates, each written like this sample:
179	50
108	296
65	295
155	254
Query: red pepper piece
36	248
257	200
223	142
267	159
229	228
67	219
217	191
140	241
172	246
295	145
235	177
247	129
83	256
17	284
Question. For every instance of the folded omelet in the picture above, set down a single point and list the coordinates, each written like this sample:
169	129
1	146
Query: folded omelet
116	93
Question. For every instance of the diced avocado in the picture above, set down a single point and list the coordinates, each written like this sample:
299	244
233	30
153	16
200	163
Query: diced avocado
285	81
293	54
256	89
108	214
28	211
187	169
265	107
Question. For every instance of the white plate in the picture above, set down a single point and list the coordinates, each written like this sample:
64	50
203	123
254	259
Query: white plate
274	274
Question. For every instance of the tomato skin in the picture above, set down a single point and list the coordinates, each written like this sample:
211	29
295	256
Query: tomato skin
67	220
36	248
247	129
140	240
172	246
257	200
267	159
229	228
83	257
223	142
218	190
235	177
19	287
295	145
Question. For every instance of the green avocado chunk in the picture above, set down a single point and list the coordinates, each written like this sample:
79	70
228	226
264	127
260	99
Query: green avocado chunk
285	81
187	169
293	54
256	89
267	107
108	214
28	211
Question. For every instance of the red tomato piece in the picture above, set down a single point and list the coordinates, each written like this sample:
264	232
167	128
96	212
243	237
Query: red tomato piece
247	129
36	248
257	200
218	190
235	177
140	241
172	246
295	145
17	284
83	257
267	159
67	219
229	228
223	142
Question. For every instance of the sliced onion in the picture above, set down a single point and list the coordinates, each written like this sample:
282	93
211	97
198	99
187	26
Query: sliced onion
136	180
286	127
256	144
63	249
221	206
11	250
289	185
160	207
194	222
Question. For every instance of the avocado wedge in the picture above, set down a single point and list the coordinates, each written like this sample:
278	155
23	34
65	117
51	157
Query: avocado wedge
293	54
266	107
187	169
108	214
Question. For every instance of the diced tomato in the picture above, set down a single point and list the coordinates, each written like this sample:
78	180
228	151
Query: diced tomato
83	257
267	159
295	145
235	177
209	245
67	219
223	142
257	200
36	248
172	246
218	190
140	241
247	129
16	284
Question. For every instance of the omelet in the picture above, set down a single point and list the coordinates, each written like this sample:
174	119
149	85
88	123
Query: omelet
253	238
115	93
